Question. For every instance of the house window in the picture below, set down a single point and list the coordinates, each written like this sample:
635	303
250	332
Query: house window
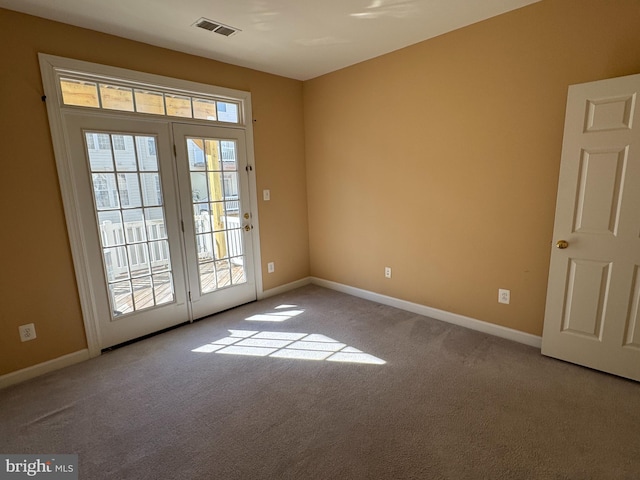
118	142
158	188
102	191
103	142
123	188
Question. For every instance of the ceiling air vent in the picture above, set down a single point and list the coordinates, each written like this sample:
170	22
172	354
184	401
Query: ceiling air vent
216	27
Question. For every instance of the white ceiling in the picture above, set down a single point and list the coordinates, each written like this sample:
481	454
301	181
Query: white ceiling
300	39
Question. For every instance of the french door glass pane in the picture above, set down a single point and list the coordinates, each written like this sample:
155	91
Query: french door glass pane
131	220
213	166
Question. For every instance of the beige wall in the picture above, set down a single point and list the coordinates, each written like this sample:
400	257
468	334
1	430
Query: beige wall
441	160
37	282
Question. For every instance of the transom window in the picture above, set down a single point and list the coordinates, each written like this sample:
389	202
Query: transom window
112	94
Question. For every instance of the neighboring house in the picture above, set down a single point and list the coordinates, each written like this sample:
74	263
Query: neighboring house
128	198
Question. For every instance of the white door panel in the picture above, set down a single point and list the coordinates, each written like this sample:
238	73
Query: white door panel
214	196
593	294
123	174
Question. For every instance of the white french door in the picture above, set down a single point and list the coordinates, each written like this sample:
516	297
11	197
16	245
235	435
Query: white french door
167	238
214	197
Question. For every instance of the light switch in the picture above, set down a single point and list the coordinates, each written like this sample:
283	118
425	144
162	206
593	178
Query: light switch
266	195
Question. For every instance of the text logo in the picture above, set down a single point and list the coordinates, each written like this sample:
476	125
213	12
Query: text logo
50	467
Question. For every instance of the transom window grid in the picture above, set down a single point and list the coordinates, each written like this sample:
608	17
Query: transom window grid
213	170
131	220
120	95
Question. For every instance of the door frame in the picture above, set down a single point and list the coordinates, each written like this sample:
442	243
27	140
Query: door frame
49	67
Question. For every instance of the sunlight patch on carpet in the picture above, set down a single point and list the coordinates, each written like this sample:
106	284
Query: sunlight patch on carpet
285	312
298	346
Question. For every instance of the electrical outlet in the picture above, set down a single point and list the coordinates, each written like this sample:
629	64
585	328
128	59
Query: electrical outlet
271	267
387	272
27	332
504	296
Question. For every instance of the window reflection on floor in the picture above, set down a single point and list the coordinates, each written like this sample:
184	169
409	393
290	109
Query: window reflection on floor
299	346
275	316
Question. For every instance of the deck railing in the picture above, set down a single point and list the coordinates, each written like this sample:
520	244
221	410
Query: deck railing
140	248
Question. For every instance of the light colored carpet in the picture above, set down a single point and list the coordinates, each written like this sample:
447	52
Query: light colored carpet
448	403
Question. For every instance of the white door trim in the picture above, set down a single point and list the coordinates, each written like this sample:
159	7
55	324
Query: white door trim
68	191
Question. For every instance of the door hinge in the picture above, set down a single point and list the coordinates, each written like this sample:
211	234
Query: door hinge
189	296
175	150
182	224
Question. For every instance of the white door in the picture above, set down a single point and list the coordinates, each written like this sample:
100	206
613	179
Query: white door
592	315
167	240
214	197
123	173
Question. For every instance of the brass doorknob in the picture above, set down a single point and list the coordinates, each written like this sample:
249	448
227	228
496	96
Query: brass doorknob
562	244
246	216
247	228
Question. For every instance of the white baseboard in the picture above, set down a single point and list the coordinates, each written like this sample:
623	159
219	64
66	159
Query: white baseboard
42	368
454	318
284	288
